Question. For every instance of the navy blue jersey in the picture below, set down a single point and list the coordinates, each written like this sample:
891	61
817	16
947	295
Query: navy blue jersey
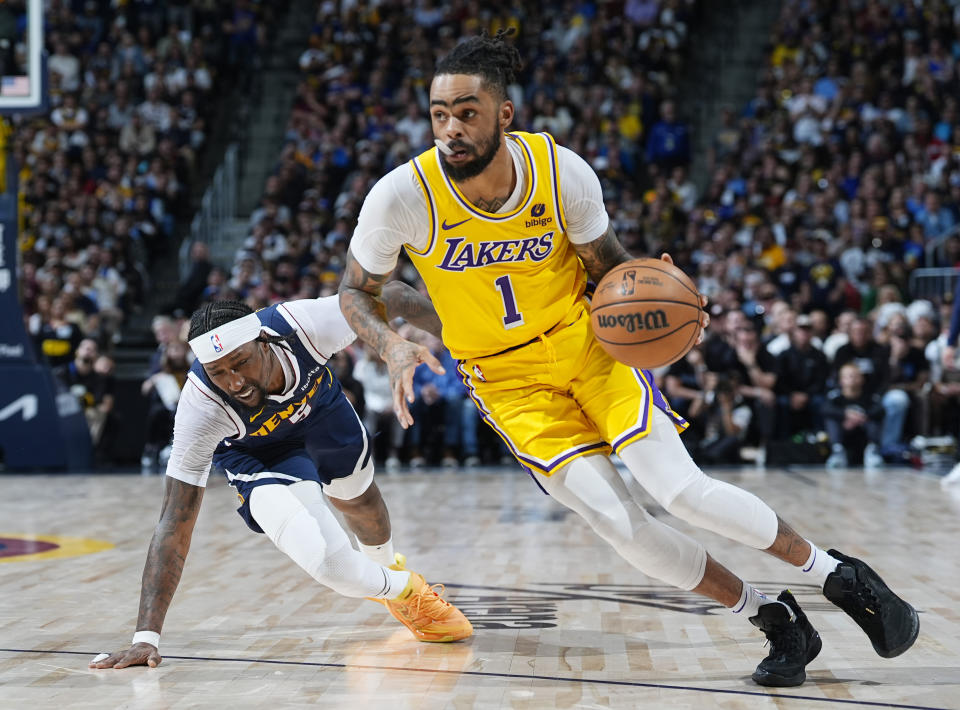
282	418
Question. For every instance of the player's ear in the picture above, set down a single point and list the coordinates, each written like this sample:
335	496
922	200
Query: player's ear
506	114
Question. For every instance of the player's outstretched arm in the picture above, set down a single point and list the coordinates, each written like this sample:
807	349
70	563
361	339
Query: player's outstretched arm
161	574
363	307
404	301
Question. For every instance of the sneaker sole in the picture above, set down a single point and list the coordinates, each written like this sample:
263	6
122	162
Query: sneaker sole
436	638
905	646
914	619
420	635
771	680
445	639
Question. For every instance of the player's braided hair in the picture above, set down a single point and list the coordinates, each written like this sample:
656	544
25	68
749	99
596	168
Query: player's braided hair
492	58
213	314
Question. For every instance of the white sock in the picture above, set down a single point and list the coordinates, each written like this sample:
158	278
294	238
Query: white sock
751	600
395	582
819	564
381	554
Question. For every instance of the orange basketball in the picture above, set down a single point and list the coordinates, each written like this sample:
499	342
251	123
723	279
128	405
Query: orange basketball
646	313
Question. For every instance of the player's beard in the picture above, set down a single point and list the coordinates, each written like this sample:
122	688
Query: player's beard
483	152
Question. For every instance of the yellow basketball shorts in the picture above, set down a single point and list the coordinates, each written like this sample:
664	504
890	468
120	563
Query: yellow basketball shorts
562	396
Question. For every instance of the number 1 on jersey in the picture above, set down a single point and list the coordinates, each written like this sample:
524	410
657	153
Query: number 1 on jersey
512	318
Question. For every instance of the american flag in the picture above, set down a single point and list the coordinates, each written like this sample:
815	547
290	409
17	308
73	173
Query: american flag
14	86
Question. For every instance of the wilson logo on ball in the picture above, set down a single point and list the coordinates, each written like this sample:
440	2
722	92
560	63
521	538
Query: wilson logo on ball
632	322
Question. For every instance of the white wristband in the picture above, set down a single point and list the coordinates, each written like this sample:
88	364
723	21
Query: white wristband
150	637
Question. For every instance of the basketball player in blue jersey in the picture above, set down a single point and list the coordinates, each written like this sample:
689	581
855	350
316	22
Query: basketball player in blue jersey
261	404
505	228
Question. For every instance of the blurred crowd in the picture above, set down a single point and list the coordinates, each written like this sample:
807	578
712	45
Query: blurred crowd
825	191
828	189
105	174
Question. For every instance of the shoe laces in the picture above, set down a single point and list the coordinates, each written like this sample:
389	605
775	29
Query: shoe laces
786	640
864	598
428	602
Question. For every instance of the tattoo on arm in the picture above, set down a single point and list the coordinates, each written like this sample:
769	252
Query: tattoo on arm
168	551
403	301
601	255
362	306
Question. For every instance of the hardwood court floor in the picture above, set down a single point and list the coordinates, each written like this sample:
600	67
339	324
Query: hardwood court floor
560	620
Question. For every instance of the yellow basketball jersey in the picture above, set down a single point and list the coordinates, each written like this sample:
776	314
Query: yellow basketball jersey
498	280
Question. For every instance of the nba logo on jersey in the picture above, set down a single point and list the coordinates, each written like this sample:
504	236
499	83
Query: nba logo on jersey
478	373
217	345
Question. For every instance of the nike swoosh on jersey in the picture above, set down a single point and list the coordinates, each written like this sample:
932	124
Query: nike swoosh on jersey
451	226
257	414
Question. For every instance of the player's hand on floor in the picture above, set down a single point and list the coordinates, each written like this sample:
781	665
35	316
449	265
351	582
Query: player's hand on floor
704	316
140	654
403	358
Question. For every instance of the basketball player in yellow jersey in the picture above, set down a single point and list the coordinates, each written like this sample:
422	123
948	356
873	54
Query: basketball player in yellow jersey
505	229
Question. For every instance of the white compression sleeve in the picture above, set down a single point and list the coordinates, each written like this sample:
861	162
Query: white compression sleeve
591	487
297	520
660	463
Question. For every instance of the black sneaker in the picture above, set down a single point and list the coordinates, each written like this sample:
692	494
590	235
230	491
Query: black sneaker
793	642
890	622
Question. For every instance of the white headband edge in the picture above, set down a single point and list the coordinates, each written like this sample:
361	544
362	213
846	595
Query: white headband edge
224	339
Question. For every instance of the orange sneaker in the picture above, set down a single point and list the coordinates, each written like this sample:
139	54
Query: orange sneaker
429	616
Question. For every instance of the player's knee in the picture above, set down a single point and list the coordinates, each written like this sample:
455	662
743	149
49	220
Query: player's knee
352	486
726	510
612	523
666	554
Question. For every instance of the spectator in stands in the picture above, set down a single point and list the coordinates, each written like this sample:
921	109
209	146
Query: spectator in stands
429	405
669	142
840	335
802	382
711	402
908	374
66	66
941	401
871	357
191	289
853	419
165	331
757	372
56	337
342	364
934	217
371	372
162	391
461	418
727	420
94	392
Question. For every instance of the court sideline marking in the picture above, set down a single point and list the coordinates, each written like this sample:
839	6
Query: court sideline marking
511	676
